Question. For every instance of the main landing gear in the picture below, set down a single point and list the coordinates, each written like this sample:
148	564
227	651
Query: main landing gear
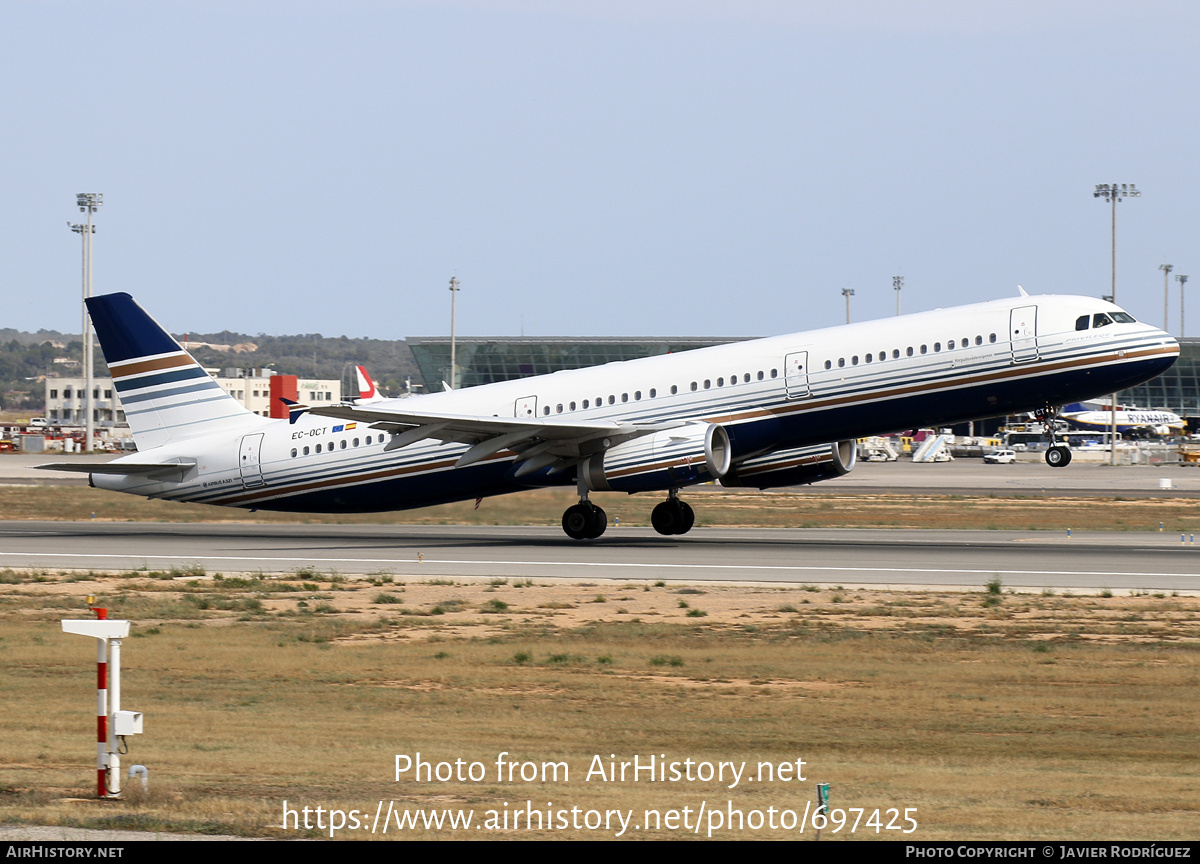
673	516
584	521
1058	455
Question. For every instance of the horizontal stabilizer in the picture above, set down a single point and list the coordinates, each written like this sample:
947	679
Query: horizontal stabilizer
118	467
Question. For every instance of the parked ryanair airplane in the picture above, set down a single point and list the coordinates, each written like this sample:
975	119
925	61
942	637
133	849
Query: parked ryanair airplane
769	412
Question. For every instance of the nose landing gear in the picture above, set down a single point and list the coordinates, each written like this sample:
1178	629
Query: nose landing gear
1058	455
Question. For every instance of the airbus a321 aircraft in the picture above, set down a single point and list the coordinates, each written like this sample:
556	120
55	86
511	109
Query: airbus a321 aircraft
780	411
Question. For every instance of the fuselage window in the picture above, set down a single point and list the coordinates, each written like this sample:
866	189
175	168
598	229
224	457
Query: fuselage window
693	386
305	451
720	382
293	452
558	408
546	410
992	337
637	395
674	389
774	373
707	383
746	379
868	358
828	364
1101	320
760	376
910	351
612	400
978	340
355	442
343	444
653	392
624	397
318	448
853	361
895	353
924	349
841	362
572	406
950	345
937	346
586	403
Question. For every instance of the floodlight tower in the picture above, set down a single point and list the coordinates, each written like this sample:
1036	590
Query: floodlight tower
898	286
89	203
454	289
1166	268
83	231
847	293
1114	192
1182	280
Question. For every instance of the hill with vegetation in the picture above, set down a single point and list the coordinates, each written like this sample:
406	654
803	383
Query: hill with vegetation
26	359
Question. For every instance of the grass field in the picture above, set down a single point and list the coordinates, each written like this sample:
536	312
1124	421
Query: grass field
814	507
994	715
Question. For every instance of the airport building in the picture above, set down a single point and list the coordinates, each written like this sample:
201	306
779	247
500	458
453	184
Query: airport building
1177	389
486	361
251	387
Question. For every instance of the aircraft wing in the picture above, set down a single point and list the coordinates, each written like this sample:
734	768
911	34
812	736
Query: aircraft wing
538	443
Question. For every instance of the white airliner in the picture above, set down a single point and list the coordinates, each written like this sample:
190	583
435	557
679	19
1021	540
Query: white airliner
1098	418
769	412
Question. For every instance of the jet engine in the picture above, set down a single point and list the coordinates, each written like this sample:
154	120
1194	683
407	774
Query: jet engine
692	453
794	467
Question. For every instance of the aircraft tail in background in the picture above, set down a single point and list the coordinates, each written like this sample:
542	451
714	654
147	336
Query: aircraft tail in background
367	391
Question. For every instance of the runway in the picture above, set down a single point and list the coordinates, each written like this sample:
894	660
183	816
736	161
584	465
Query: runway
884	558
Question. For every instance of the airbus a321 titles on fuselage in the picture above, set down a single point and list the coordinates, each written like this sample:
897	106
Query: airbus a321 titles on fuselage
780	411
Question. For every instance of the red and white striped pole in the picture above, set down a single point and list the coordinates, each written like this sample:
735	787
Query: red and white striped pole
108	783
101	711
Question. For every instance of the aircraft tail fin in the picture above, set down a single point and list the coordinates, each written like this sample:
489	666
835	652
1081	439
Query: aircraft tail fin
367	391
165	393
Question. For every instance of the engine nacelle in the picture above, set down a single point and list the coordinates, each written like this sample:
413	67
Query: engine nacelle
693	453
795	467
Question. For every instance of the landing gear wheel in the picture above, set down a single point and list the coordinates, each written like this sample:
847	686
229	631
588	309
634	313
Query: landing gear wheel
598	524
672	517
584	521
688	518
1058	456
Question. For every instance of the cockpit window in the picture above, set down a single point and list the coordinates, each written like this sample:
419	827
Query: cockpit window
1123	318
1081	323
1101	320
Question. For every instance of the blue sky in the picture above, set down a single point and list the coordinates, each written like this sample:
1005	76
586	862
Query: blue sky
591	168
